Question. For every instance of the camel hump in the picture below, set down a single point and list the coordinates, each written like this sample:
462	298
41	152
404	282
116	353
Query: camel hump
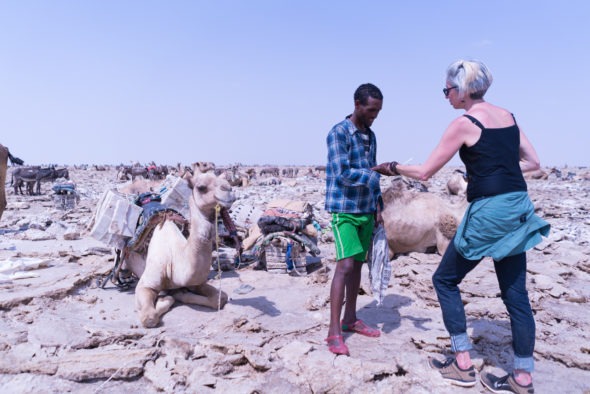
447	225
154	214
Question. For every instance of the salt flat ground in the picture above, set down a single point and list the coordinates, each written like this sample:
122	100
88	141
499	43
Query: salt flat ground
60	332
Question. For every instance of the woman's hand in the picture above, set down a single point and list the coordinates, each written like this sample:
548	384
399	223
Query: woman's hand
387	168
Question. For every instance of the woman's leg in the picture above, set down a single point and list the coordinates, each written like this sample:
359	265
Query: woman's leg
450	272
511	273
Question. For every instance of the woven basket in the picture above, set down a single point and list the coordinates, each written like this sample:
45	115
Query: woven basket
65	201
275	257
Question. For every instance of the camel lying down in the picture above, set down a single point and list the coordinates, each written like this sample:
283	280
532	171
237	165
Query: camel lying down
180	266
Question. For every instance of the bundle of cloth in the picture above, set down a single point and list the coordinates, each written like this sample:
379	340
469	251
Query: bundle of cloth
294	217
280	219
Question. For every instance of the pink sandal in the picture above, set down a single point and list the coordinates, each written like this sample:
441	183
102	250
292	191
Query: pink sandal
360	327
336	345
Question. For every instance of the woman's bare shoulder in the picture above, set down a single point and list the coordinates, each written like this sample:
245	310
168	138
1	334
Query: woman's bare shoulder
492	116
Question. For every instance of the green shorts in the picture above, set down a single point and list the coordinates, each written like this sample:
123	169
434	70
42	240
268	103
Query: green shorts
352	235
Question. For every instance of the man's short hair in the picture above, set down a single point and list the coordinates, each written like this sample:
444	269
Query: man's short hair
365	91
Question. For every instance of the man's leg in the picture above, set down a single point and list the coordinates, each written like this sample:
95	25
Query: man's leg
365	236
342	277
353	285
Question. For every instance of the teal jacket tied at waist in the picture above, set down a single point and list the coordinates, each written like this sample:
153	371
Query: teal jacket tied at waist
499	226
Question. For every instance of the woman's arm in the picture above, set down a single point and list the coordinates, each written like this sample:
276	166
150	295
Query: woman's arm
529	161
449	144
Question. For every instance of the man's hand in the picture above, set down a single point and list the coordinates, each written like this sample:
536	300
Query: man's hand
386	168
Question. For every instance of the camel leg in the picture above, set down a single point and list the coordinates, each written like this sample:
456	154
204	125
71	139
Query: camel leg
163	305
204	295
150	307
442	243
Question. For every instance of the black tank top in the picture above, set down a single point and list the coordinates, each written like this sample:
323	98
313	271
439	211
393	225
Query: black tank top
492	164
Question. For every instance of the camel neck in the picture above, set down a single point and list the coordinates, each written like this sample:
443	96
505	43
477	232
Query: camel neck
201	224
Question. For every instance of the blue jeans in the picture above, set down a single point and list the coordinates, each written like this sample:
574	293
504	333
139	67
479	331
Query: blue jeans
511	274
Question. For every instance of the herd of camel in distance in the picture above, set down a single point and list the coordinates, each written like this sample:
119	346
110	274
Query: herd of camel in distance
33	176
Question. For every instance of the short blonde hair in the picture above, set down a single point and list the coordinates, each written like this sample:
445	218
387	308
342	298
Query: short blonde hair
471	77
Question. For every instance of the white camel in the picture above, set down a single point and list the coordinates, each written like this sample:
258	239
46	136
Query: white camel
177	265
418	222
457	184
200	167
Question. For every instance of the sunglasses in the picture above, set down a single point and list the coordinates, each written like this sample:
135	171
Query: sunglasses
446	91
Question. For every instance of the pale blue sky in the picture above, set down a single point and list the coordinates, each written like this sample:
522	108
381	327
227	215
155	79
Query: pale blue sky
262	82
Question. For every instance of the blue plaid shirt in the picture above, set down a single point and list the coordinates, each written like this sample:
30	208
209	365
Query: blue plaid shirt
351	186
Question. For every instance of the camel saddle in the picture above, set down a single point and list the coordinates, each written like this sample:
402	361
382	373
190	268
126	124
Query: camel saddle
154	213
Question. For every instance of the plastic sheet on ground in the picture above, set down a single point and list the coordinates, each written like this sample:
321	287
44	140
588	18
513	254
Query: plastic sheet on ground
19	268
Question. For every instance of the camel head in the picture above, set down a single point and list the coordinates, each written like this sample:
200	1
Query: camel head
395	190
402	188
202	166
210	190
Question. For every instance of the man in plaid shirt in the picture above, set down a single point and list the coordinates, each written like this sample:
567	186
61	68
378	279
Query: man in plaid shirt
353	196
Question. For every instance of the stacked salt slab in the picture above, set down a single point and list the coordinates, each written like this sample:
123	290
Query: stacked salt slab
116	215
115	219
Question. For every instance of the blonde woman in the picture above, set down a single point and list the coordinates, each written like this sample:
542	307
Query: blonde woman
500	222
